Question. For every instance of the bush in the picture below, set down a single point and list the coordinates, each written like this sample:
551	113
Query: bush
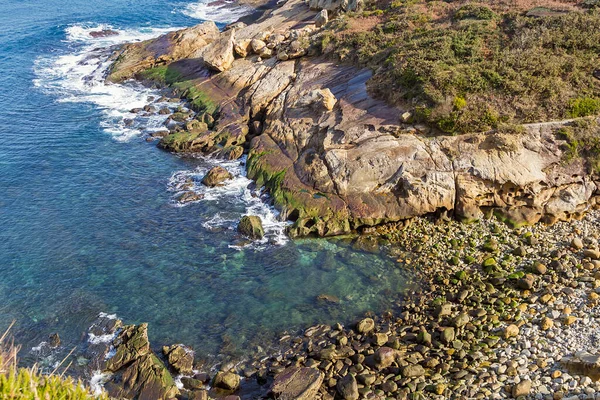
584	106
474	11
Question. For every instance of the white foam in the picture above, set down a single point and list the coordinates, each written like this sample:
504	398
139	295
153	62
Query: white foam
237	190
39	347
97	339
98	380
218	11
78	77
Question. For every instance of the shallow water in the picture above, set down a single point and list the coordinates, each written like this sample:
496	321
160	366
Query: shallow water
88	217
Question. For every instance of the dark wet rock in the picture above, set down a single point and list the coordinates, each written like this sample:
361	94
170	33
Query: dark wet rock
189	197
297	383
227	381
347	388
103	33
191	383
251	226
527	282
54	340
180	358
384	357
216	176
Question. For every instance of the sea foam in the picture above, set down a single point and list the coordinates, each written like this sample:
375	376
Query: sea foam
238	190
78	77
218	11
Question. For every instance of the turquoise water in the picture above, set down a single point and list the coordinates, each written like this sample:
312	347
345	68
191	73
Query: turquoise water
88	220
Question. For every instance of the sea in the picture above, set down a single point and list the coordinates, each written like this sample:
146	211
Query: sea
89	218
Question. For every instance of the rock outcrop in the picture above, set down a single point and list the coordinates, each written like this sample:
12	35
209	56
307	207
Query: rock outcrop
216	176
135	372
251	226
337	160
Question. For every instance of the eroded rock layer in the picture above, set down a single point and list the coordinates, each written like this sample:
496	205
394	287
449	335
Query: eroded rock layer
334	158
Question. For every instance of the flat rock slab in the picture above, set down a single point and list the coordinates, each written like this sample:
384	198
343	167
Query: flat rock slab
583	363
297	384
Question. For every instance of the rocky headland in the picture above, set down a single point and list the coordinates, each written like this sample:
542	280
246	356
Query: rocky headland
335	158
495	311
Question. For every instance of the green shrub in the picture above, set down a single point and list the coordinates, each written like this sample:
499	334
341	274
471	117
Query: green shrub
474	11
584	106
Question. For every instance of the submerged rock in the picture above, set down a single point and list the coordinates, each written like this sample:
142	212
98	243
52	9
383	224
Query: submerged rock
251	226
216	176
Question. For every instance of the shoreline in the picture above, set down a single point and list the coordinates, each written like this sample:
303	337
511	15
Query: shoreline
468	327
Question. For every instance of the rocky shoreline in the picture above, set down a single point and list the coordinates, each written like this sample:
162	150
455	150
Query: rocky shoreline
492	313
335	159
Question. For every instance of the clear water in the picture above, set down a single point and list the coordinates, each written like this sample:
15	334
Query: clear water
88	221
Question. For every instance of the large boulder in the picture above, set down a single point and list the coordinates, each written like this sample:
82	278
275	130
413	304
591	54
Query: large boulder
219	55
180	358
216	176
227	381
136	371
131	344
251	226
296	383
144	378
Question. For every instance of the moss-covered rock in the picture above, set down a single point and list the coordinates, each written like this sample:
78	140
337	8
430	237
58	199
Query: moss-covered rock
251	226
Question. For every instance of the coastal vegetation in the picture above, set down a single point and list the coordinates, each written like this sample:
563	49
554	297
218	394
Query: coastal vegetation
471	67
30	383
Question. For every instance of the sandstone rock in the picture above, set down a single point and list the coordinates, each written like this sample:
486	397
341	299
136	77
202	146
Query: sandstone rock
242	47
413	371
257	45
180	358
365	325
321	19
133	58
131	344
546	324
251	226
521	389
227	381
594	254
347	388
384	357
447	335
144	378
297	383
379	339
576	243
511	331
219	54
216	176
